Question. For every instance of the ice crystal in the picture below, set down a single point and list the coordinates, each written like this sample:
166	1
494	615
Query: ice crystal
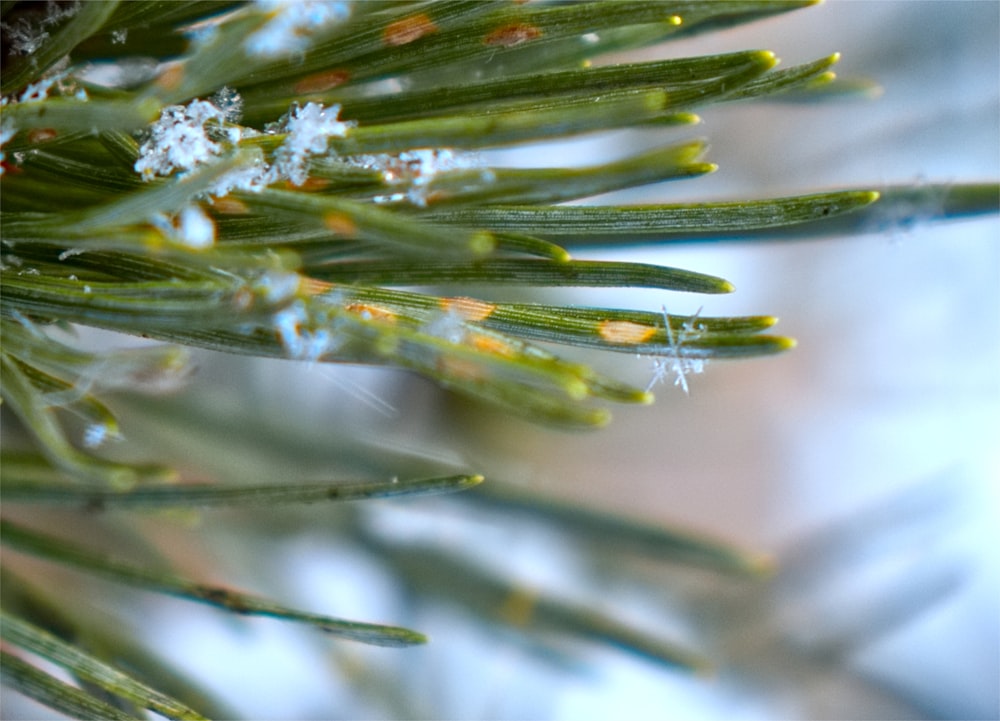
229	102
56	12
26	35
70	252
23	37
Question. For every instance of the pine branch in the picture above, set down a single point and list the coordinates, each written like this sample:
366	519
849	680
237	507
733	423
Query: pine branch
273	180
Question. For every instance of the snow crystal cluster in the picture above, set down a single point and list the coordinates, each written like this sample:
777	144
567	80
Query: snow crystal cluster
188	136
291	25
180	141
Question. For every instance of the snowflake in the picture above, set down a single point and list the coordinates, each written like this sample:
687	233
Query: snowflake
195	228
56	78
677	363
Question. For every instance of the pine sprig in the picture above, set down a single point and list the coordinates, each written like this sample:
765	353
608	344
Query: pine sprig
273	180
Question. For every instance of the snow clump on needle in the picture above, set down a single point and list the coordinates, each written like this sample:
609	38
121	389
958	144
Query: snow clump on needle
291	24
308	129
416	169
188	136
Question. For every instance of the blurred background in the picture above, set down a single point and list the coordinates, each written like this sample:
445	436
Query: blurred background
865	463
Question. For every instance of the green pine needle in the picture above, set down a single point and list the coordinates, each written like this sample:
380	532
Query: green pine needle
59	551
24	635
